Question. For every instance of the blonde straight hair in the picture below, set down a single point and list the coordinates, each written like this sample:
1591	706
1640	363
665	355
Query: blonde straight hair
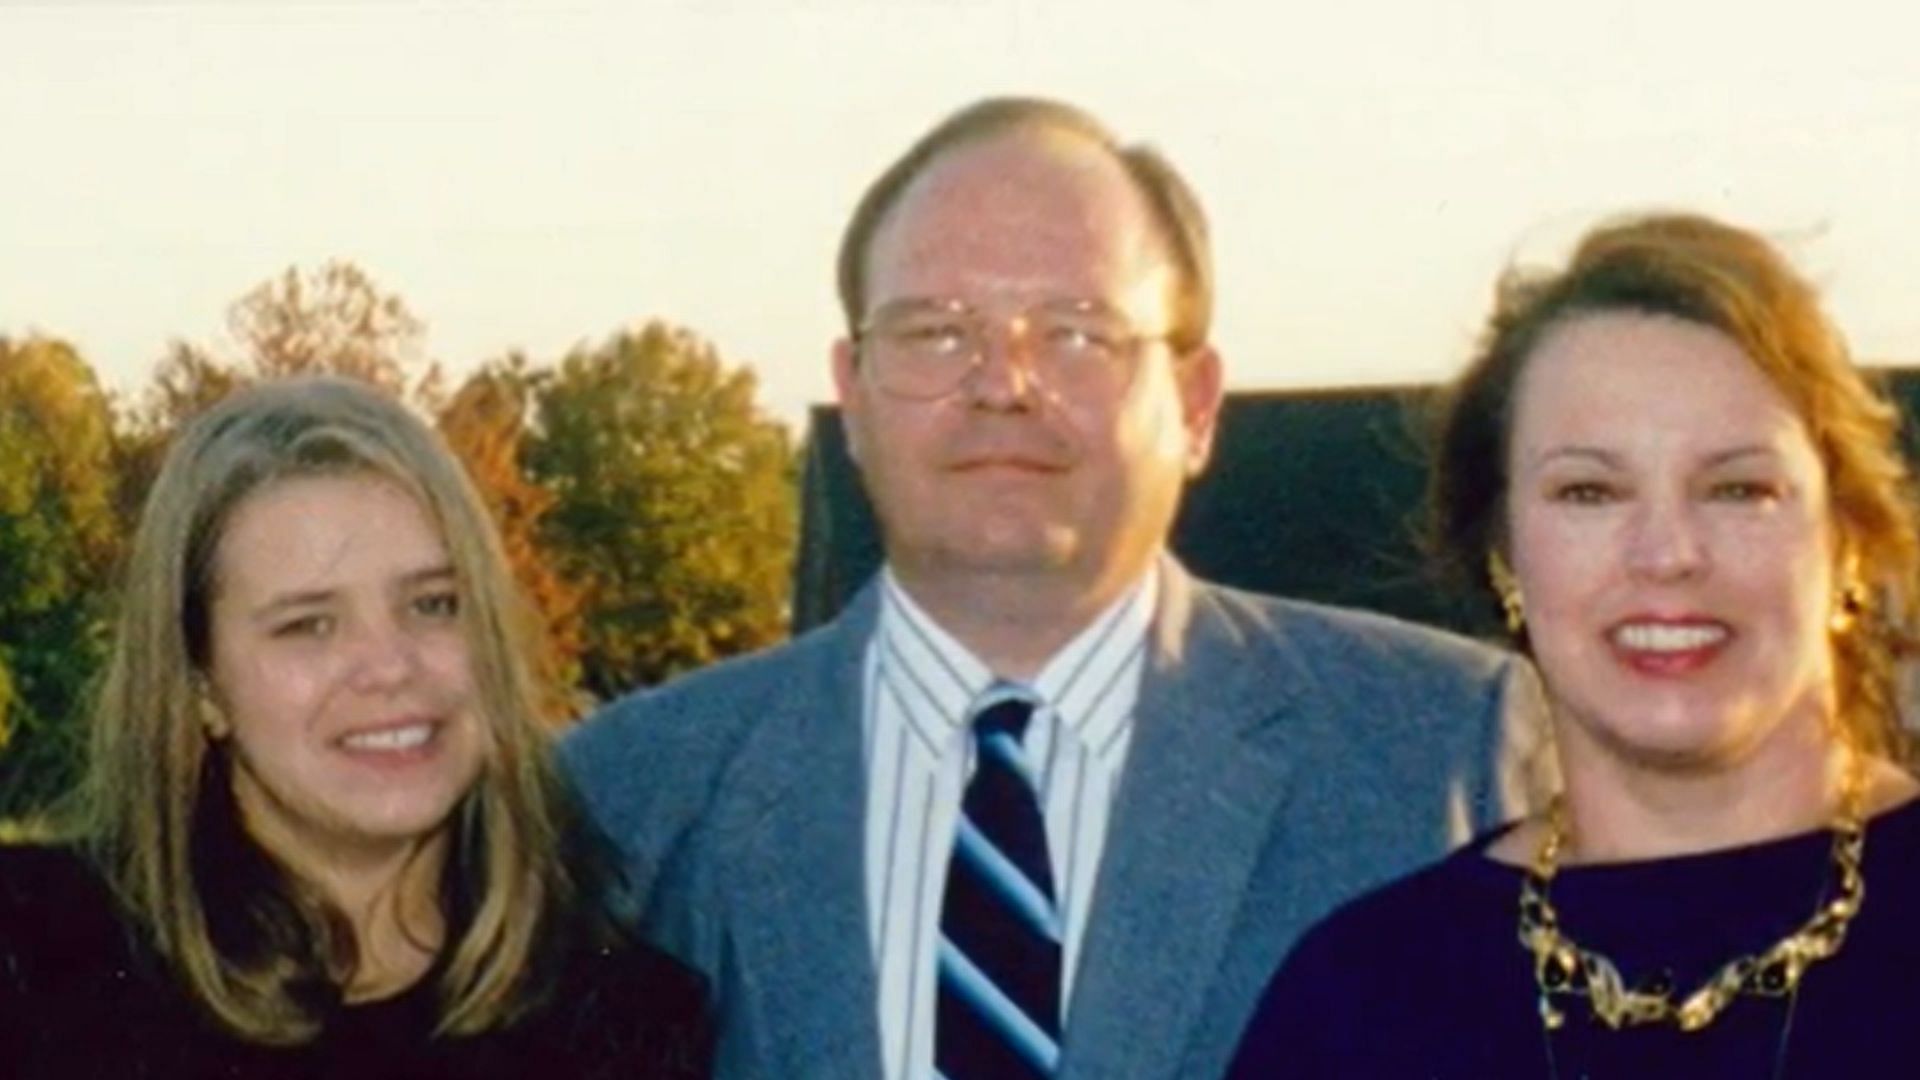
260	949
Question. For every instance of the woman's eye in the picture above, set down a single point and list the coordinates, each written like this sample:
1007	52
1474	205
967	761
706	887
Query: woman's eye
1744	491
1583	492
438	605
305	626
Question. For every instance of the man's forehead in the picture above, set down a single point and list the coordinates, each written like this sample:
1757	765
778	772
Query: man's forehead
1020	212
1014	159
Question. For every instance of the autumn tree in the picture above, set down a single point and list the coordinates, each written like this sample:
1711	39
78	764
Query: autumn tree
487	423
332	321
59	539
675	506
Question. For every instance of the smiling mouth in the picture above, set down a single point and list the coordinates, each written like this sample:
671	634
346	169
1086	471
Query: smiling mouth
393	740
1668	649
1668	637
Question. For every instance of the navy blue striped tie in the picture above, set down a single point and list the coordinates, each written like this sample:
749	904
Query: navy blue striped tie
998	1012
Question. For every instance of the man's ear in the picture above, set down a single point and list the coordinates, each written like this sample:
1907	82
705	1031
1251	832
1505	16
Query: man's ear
1201	379
846	388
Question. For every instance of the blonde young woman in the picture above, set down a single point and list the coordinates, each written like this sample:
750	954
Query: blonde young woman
1692	512
320	833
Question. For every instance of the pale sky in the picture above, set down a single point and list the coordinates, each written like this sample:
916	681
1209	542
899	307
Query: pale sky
534	175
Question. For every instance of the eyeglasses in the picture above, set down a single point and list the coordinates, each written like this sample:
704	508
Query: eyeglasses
927	348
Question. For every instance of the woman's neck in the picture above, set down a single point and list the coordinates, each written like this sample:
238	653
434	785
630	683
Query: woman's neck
1622	805
1619	812
397	920
1620	831
389	895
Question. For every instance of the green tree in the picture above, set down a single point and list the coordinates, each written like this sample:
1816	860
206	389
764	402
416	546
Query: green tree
59	538
487	423
675	505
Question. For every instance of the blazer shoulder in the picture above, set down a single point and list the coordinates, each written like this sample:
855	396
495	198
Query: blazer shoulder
649	766
1414	690
1339	638
703	713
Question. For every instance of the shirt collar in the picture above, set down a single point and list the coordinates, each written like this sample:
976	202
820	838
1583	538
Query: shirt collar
1072	683
1092	665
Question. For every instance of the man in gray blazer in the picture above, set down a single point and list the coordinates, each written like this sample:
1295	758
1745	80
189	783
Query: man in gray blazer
1038	803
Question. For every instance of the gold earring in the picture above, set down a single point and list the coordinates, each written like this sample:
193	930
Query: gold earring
1849	603
1507	587
1850	595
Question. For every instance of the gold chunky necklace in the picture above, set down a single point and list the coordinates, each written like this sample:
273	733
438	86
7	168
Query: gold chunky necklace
1562	968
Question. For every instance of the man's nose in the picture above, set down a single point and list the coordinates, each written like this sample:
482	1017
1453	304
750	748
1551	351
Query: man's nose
1003	374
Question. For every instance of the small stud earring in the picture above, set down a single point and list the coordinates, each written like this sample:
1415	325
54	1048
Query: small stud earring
213	721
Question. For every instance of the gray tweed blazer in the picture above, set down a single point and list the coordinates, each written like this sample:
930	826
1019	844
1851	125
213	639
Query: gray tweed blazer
1285	757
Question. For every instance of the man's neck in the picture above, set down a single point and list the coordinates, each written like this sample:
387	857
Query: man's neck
1013	622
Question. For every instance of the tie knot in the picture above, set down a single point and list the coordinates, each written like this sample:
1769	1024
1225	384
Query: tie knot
1007	716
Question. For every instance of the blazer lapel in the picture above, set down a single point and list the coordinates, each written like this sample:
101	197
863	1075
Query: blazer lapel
797	876
1198	797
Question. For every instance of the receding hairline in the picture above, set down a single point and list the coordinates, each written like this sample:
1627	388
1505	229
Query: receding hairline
1171	208
1072	151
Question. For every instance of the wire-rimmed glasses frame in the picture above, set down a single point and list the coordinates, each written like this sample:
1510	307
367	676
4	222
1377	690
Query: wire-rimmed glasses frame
928	348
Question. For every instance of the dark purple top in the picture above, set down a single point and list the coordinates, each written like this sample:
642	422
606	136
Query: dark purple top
80	997
1427	978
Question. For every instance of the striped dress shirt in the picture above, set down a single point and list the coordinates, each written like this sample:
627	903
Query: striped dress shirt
919	686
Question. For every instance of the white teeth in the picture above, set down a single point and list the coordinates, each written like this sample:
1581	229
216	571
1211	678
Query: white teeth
401	738
1660	637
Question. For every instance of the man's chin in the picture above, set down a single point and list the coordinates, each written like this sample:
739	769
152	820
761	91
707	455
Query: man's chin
1010	562
1011	552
